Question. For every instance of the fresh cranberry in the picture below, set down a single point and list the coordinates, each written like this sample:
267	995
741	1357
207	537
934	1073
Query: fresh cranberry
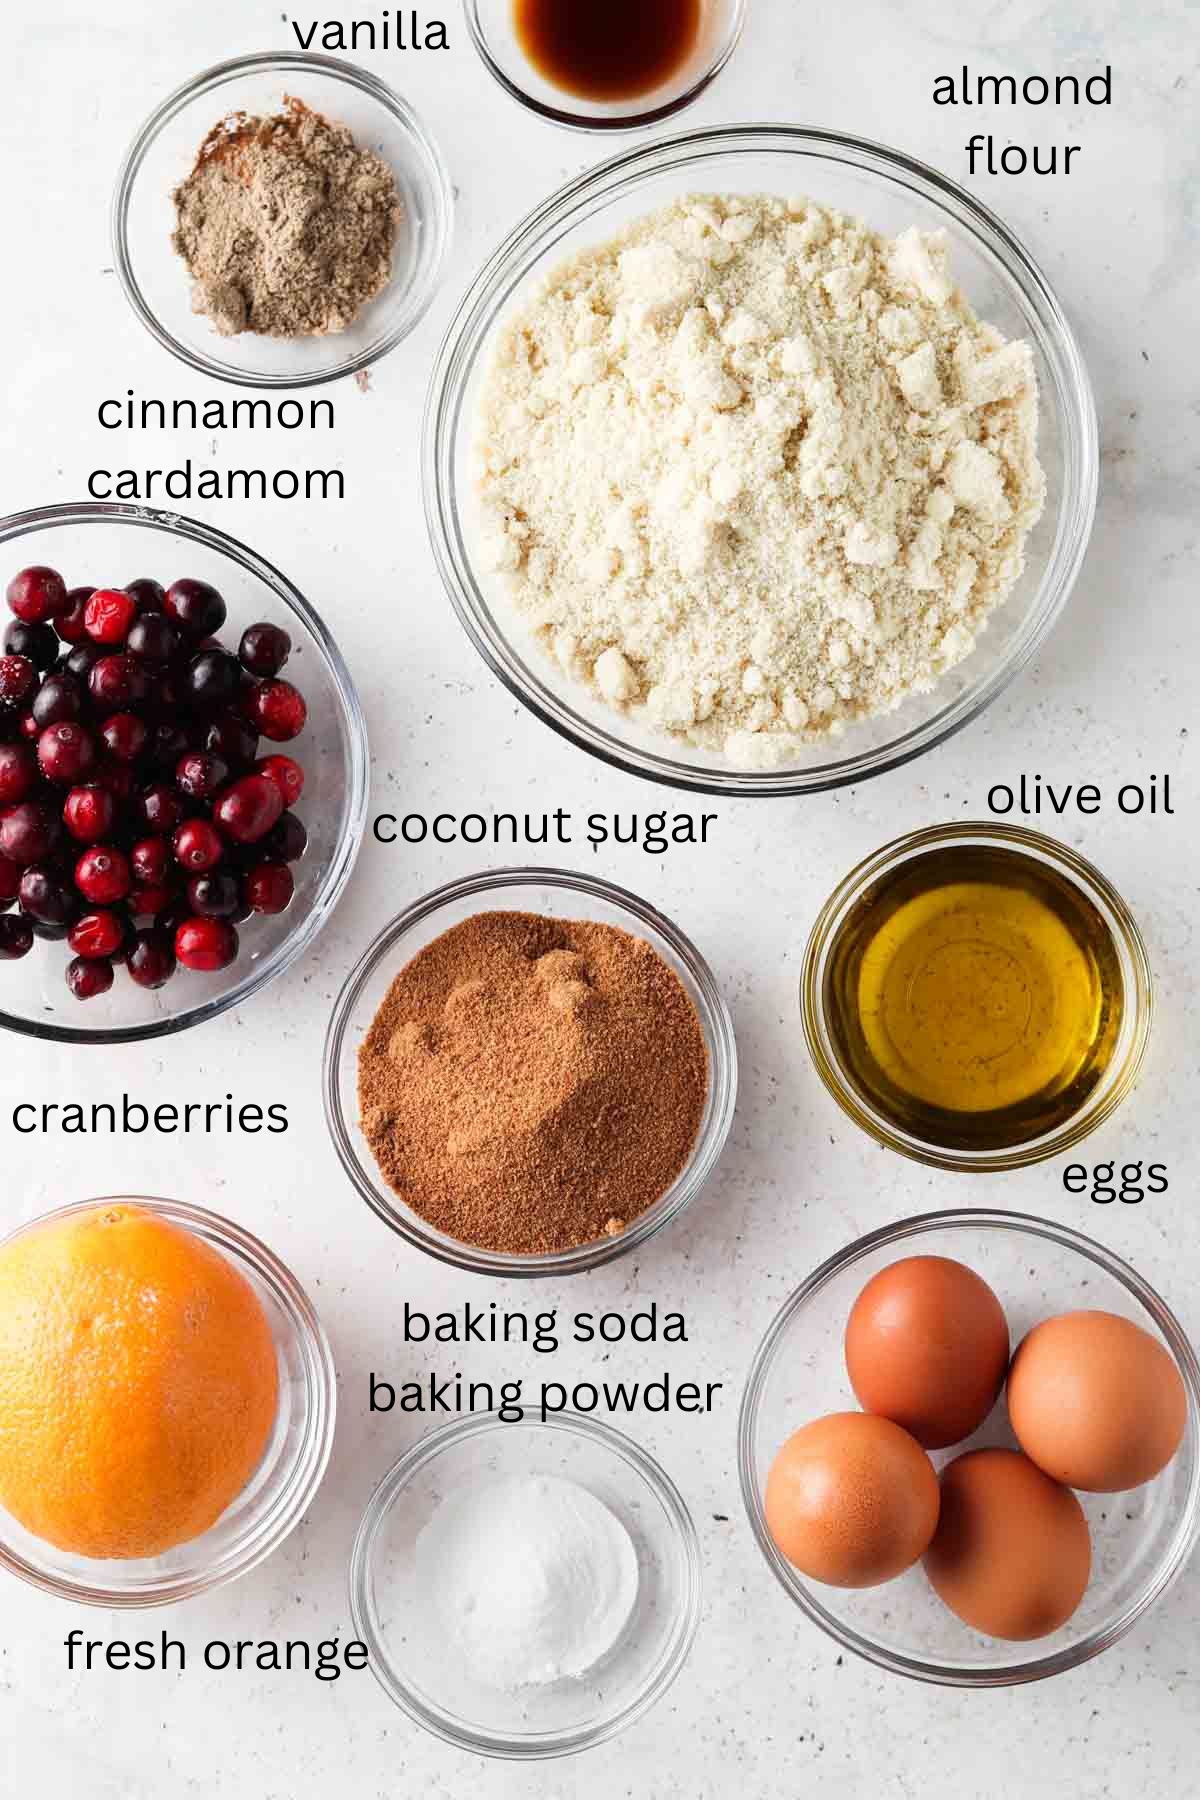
28	728
117	779
65	753
276	709
125	735
151	960
83	659
196	608
47	899
17	676
159	809
151	901
37	643
59	698
97	934
206	944
108	615
269	887
88	813
198	846
166	745
88	978
147	595
16	937
211	681
264	649
18	772
214	896
287	841
117	683
150	860
29	831
152	639
246	811
199	775
102	874
286	774
37	594
230	736
70	624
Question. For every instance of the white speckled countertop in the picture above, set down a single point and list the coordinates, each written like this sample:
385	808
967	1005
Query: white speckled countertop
766	1705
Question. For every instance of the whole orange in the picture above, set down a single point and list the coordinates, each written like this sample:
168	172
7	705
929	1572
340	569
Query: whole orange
138	1382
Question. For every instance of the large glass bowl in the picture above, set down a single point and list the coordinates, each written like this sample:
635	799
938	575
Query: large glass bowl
1140	1540
389	1592
98	543
559	894
281	1488
890	191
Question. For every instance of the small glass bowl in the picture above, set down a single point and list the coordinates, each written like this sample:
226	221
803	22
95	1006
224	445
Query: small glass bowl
494	34
560	894
155	279
283	1485
1118	1078
100	541
389	1596
1140	1540
890	191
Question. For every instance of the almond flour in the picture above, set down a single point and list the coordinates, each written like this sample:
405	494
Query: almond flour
751	470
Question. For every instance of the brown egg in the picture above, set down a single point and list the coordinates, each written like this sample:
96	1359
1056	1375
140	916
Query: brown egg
927	1346
851	1500
1096	1401
1011	1554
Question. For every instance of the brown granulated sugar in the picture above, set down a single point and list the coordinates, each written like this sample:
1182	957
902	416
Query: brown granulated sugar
530	1084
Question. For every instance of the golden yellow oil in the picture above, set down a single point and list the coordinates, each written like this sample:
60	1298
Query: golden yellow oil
974	997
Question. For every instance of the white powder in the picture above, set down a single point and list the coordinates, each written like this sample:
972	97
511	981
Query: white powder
751	470
532	1577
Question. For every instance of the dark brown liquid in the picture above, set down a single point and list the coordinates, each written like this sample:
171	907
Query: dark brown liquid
607	49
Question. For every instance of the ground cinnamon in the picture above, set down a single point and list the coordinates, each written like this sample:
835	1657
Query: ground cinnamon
530	1084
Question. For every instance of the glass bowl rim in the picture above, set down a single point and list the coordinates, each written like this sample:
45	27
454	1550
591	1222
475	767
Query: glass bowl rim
1186	1532
312	1453
719	1038
216	76
545	1745
68	514
600	124
491	288
1092	882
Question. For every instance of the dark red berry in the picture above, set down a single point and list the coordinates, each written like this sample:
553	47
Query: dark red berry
196	608
16	937
87	978
214	896
269	887
29	831
152	901
231	737
287	841
152	639
18	772
264	649
125	735
117	683
83	659
17	676
150	860
10	882
159	809
199	775
286	774
198	846
70	624
108	615
28	728
206	944
59	698
37	594
146	595
97	934
246	811
211	681
151	959
66	753
276	709
166	745
102	874
47	899
117	779
36	642
88	814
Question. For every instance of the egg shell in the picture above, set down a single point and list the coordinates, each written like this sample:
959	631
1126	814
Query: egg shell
1096	1401
1012	1554
851	1500
927	1346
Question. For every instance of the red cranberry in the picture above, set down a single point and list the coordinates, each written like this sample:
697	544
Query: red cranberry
83	659
126	735
264	649
16	937
97	934
17	676
28	728
231	737
276	709
198	846
286	774
167	744
102	875
150	860
199	775
70	625
65	753
18	772
151	960
211	681
206	944
117	682
159	809
214	896
37	643
287	841
37	594
28	832
89	813
10	882
88	978
269	887
152	901
59	698
196	608
147	595
152	639
246	811
46	899
108	615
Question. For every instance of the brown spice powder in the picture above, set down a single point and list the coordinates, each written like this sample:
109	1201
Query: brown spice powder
285	224
531	1084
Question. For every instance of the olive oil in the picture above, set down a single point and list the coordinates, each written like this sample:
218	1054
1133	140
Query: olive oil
608	49
974	996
